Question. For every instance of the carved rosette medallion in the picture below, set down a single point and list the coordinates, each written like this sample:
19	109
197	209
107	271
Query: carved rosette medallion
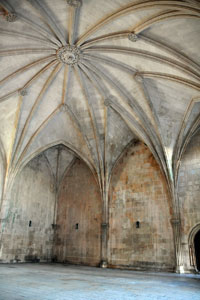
107	102
68	55
23	92
74	3
138	77
133	37
63	108
11	17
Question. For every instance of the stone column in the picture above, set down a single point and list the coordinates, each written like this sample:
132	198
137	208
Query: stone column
104	231
176	225
104	245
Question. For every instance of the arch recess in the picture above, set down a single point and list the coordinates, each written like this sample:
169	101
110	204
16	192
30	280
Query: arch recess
44	148
191	238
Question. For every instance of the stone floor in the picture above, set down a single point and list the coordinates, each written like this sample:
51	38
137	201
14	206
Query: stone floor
59	282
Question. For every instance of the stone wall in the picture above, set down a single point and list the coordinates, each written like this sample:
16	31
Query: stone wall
79	217
189	196
138	193
1	177
32	198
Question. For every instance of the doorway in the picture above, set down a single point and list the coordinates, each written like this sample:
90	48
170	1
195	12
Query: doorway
197	249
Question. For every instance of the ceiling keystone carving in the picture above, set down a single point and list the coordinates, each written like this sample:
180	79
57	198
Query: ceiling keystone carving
68	55
11	17
133	37
75	3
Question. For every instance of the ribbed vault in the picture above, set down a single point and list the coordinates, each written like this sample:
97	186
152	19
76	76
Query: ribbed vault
96	75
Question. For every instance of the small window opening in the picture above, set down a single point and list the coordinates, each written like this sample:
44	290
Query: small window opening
30	223
76	227
137	224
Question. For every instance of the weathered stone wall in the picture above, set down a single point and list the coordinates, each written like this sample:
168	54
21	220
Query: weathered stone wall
32	198
138	193
79	202
1	176
189	195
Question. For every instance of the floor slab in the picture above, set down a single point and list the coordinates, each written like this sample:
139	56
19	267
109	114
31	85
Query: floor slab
66	282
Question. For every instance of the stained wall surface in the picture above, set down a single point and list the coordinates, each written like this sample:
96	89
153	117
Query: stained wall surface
1	175
32	198
189	196
139	193
79	205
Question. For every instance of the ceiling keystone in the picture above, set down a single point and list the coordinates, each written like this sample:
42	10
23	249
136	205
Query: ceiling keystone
132	37
74	3
11	17
68	55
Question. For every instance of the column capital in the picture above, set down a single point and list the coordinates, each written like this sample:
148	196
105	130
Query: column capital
175	221
104	225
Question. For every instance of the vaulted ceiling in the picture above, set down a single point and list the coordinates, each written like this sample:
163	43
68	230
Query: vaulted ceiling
95	76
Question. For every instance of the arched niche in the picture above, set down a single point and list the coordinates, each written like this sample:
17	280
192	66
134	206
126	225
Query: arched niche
30	207
79	217
188	192
55	144
29	212
3	165
2	175
140	231
194	256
